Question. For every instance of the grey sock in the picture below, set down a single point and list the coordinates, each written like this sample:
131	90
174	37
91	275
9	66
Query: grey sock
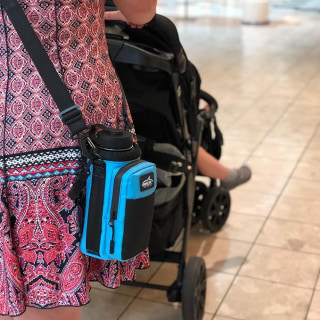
236	177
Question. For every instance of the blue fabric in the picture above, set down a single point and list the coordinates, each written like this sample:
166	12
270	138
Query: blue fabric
137	183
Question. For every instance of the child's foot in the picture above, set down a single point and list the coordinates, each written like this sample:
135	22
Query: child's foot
236	177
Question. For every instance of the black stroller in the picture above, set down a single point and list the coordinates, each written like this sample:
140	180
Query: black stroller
163	91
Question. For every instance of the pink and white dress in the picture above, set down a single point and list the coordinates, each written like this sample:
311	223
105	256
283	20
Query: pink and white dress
40	226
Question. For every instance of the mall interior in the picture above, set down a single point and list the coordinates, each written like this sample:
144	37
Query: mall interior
264	264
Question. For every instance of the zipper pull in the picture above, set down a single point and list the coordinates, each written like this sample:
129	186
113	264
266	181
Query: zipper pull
111	225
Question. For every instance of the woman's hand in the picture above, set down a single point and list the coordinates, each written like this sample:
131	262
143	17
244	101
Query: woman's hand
136	12
117	15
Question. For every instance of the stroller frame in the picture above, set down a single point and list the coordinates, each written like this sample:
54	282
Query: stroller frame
190	284
126	53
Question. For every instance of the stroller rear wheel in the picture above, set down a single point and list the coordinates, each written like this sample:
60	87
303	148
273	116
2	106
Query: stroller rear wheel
201	191
215	209
194	289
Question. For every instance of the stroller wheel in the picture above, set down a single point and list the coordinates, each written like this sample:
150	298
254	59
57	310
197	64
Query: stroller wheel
194	289
201	191
215	209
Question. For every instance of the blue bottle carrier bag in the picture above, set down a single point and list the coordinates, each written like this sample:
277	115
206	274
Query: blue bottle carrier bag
119	198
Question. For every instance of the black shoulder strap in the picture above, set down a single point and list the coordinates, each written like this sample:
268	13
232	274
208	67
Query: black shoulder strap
70	113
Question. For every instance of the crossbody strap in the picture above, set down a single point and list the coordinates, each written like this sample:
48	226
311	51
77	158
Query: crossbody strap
70	113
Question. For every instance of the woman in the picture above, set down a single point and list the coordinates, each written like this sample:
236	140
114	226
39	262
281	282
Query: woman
43	273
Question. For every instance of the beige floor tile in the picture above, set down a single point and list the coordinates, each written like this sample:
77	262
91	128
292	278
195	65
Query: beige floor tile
301	104
146	310
271	167
166	275
253	136
272	185
295	123
153	306
263	113
142	275
302	189
278	152
314	312
241	227
282	266
288	130
275	104
254	89
253	299
207	316
287	139
307	97
284	92
291	235
232	147
217	286
245	93
246	124
225	122
255	203
225	318
155	295
318	285
123	289
294	209
307	171
311	155
219	254
230	103
105	305
315	141
147	274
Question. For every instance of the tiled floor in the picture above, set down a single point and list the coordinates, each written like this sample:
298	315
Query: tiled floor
265	262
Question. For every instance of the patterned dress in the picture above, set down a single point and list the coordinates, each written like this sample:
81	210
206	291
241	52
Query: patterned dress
40	261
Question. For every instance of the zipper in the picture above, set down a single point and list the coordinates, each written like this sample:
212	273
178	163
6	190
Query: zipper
115	199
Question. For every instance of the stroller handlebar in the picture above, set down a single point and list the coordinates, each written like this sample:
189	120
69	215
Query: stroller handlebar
211	101
164	36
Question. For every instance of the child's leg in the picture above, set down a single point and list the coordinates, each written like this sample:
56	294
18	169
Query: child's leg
211	167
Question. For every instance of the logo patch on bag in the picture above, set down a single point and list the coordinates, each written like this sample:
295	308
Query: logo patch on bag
146	181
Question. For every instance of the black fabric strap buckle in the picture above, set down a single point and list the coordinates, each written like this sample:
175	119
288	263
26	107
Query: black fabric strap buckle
70	114
72	117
